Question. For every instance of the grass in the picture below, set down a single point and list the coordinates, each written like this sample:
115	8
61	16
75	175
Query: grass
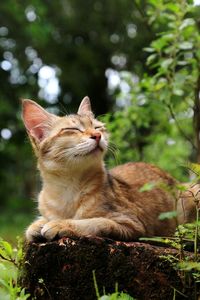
114	296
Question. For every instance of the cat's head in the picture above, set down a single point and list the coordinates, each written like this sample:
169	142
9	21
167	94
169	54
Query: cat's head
75	140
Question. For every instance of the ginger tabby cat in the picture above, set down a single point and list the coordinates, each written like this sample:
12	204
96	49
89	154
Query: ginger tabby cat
79	196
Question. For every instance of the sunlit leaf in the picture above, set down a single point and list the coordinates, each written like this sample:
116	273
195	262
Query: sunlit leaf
189	265
181	187
147	187
166	63
4	283
4	254
151	58
7	247
187	22
178	92
182	63
195	168
149	49
167	215
186	45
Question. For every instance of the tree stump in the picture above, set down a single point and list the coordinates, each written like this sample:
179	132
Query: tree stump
63	270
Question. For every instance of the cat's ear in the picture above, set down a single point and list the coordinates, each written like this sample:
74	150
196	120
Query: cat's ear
37	120
85	107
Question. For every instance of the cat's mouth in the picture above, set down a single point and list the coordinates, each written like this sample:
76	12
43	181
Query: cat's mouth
95	150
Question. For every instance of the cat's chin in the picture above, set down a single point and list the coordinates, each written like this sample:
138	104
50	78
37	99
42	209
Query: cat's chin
97	150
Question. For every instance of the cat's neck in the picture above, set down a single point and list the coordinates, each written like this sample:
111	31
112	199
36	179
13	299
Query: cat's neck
66	178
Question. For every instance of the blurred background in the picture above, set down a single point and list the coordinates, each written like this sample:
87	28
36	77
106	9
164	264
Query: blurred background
56	52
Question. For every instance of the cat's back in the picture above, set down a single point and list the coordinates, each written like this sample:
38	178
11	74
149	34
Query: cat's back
139	173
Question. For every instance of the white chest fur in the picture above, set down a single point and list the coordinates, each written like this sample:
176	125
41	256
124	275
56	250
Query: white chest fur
60	201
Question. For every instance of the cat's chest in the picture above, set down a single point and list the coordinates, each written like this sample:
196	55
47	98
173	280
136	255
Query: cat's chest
63	203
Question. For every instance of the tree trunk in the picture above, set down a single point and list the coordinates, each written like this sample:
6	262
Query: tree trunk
63	269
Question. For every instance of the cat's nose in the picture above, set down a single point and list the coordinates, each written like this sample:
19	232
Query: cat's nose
96	136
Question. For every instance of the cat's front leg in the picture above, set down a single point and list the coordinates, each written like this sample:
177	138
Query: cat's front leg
125	229
34	230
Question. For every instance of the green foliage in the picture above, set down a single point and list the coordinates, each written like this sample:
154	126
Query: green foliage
186	234
165	241
114	296
195	168
168	215
147	187
10	266
189	266
156	123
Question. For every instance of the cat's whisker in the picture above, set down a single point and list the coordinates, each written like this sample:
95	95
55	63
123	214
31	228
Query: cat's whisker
114	153
112	149
113	145
63	111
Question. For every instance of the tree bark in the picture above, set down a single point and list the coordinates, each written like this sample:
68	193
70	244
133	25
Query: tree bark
63	270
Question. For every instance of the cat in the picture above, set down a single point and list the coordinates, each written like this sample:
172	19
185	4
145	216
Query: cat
79	196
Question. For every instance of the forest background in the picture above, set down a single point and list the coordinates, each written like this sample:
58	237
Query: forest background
138	61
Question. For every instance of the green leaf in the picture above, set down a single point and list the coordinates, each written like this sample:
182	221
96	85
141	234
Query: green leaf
178	92
151	58
160	85
168	215
8	248
195	168
155	239
23	295
147	187
182	63
4	284
116	296
19	255
186	45
188	266
159	43
173	7
187	22
181	187
166	63
4	254
149	49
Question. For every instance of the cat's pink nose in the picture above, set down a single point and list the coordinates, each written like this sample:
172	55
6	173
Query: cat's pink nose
96	136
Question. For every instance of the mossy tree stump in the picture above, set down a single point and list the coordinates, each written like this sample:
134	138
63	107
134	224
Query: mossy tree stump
63	270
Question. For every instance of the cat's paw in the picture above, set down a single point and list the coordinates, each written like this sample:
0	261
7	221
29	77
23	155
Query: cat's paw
34	230
58	228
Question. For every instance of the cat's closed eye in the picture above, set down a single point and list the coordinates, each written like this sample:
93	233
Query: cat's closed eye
100	128
71	129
